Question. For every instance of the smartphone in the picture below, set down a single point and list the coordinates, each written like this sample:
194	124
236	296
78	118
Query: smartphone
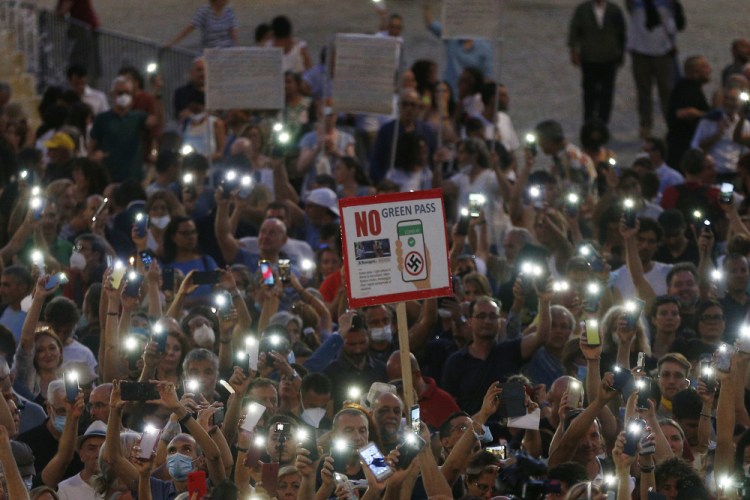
411	236
196	484
138	391
141	224
188	184
252	417
307	440
266	272
727	193
285	269
633	433
133	285
167	279
645	392
282	428
56	279
245	187
592	297
205	277
71	386
100	209
633	310
622	379
628	213
575	393
414	419
499	451
512	400
536	195
149	442
375	461
572	201
341	452
476	202
223	302
146	257
530	144
595	260
229	183
37	204
641	364
724	358
219	416
254	452
707	374
462	227
118	272
27	176
591	326
409	449
269	474
159	335
252	349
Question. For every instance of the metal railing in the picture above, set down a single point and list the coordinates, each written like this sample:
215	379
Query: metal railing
51	43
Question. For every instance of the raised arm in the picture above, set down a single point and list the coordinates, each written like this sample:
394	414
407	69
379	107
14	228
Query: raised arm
228	244
186	288
634	264
112	453
54	472
13	480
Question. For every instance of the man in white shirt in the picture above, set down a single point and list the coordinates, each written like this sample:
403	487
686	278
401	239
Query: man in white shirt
714	134
78	487
97	99
649	238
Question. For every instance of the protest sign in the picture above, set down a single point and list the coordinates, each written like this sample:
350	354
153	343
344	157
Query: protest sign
471	19
244	78
365	74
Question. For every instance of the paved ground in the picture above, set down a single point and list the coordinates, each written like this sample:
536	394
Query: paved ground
533	58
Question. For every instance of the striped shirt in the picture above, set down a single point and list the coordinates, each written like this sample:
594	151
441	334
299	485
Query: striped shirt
215	27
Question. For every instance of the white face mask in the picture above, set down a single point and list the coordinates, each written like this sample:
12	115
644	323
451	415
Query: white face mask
77	261
204	336
198	116
313	416
381	334
124	100
160	222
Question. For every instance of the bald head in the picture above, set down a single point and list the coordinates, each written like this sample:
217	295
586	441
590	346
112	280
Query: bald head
99	402
393	366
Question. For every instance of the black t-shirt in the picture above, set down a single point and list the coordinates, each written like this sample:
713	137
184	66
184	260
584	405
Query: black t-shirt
689	254
686	94
44	445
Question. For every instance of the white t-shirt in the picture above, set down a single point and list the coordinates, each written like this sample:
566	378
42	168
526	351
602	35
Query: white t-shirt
76	351
486	184
75	488
656	277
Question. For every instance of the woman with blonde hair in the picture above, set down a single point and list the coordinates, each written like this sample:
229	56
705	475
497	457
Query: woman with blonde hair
620	343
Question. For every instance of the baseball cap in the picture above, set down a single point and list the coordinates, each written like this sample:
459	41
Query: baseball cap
325	197
96	429
60	140
24	458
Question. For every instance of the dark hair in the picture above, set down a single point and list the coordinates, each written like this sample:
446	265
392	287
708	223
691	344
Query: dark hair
421	70
686	404
61	311
7	345
706	304
166	160
489	92
550	130
693	161
276	205
316	382
195	161
20	274
594	134
98	244
281	27
29	157
648	224
76	70
129	191
261	31
169	249
569	473
133	74
477	76
680	470
445	427
94	172
658	144
359	173
78	114
649	185
660	301
680	267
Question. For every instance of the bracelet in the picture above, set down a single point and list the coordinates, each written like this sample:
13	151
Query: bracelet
647	468
183	420
242	450
705	415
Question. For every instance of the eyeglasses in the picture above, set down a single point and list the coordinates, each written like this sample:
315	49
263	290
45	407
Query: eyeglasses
487	316
710	318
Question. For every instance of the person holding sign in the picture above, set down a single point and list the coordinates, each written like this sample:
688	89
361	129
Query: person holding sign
218	25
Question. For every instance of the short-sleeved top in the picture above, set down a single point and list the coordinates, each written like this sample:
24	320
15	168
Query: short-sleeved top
204	263
467	378
83	11
121	138
215	27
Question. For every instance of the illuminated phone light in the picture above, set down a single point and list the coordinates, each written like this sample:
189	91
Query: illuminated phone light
585	251
302	435
530	138
610	480
139	217
592	323
284	137
220	300
575	385
132	275
464	212
354	392
36	191
188	178
745	330
274	340
707	371
340	445
37	257
630	306
535	191
131	344
612	162
246	181
63	277
634	429
151	67
573	199
744	96
119	264
230	175
35	203
640	384
72	376
307	265
723	348
717	275
192	385
479	198
697	214
186	150
560	286
628	203
24	174
158	329
250	341
150	429
132	261
278	127
259	441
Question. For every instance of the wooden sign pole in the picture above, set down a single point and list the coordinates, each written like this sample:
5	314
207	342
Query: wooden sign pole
403	346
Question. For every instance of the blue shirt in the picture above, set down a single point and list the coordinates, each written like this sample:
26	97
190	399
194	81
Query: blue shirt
205	263
13	321
215	28
543	368
467	378
457	59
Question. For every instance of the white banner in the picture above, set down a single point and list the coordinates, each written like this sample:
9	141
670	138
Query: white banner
244	78
365	73
471	19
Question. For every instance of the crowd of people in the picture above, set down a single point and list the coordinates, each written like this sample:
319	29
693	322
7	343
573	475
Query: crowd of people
175	324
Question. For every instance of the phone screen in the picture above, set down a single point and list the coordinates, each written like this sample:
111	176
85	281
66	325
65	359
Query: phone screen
414	418
266	272
149	440
375	461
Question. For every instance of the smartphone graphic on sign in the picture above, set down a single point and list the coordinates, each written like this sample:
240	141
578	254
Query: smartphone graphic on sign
411	236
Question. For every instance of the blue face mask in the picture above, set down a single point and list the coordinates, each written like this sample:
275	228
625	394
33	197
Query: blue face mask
179	466
59	423
28	482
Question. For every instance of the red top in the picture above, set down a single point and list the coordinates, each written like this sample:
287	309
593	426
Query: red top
435	404
83	11
330	286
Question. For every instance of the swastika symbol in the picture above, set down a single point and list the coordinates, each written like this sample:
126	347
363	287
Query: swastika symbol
414	263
